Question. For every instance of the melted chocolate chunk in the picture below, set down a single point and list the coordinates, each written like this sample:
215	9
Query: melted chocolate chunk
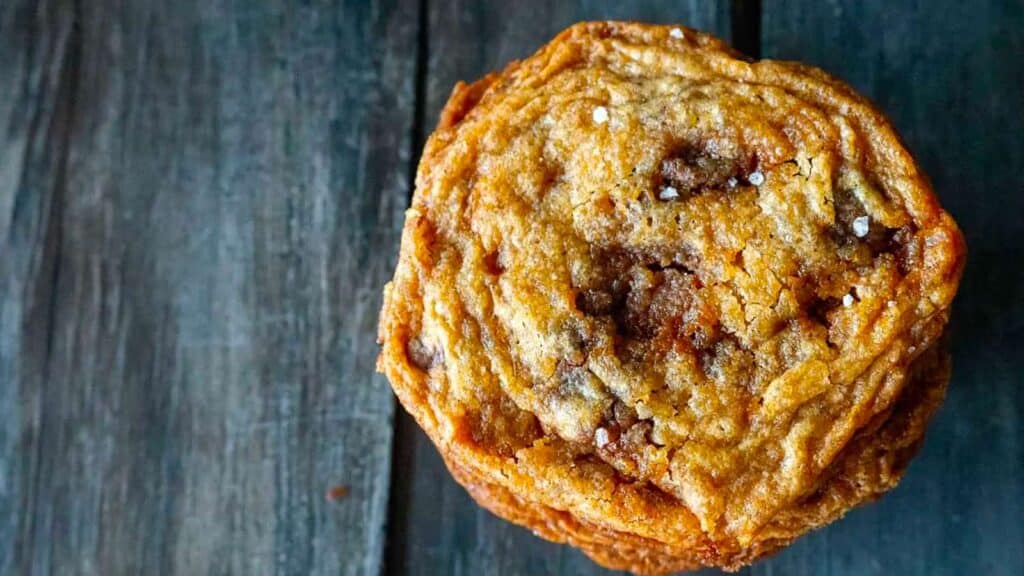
853	225
422	356
819	308
907	247
595	302
650	297
691	170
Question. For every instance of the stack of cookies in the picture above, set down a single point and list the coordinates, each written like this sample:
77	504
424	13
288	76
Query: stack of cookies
668	305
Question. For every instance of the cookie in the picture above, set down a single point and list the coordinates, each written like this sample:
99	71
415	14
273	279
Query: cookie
666	304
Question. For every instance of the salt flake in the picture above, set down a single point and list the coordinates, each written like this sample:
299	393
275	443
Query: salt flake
668	193
847	300
600	114
860	226
601	437
677	33
756	178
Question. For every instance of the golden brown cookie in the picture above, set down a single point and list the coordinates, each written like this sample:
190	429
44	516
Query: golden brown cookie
665	304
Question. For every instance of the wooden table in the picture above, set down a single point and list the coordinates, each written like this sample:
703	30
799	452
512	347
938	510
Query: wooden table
199	204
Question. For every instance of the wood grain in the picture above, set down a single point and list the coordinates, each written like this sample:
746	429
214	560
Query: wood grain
437	529
38	58
949	75
199	204
200	201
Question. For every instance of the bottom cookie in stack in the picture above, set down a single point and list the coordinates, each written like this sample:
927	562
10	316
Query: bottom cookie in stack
871	465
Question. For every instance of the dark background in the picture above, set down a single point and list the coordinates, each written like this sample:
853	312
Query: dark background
201	200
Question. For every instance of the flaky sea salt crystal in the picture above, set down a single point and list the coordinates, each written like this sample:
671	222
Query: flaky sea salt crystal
668	193
847	300
601	437
861	224
756	178
600	114
677	33
732	182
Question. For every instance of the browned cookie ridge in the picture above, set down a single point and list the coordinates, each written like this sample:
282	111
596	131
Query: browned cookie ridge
665	304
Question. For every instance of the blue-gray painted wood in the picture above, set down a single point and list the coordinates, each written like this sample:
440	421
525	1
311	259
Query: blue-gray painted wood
199	204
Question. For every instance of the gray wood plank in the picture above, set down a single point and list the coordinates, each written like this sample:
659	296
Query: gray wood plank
437	529
38	59
199	204
949	75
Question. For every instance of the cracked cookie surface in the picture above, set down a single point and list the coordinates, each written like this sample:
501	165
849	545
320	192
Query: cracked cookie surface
658	291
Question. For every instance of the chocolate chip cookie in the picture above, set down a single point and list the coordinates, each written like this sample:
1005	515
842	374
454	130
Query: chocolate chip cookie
667	304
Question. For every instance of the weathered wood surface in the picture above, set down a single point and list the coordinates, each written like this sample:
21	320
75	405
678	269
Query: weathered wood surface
199	203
